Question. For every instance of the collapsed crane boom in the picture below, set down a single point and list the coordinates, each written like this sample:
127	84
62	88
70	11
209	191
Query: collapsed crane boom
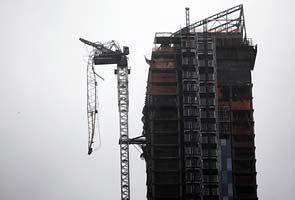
91	103
110	53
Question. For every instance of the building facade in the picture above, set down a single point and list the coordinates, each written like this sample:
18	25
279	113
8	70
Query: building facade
198	114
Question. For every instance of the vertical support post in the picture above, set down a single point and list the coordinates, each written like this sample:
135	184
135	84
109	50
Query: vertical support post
123	104
187	18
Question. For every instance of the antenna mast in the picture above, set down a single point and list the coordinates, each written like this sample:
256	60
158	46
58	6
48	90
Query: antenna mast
187	18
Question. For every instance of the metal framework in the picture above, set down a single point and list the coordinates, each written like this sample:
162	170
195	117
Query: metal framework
230	20
91	103
190	92
123	103
110	53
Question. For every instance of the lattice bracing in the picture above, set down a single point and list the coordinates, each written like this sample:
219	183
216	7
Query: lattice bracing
230	20
91	103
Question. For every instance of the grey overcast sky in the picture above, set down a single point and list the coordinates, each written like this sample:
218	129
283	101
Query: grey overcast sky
43	129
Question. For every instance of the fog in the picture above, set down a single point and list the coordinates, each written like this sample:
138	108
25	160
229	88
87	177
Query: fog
43	129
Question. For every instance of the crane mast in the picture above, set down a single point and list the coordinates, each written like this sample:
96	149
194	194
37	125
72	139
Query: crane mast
110	53
123	104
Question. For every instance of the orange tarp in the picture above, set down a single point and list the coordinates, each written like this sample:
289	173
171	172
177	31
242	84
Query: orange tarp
163	64
236	105
163	78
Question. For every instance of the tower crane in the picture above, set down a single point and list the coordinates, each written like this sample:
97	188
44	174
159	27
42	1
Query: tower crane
110	53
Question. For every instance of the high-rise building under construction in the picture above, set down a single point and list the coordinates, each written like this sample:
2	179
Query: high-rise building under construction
198	114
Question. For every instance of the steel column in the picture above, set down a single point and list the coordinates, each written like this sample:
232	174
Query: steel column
123	104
